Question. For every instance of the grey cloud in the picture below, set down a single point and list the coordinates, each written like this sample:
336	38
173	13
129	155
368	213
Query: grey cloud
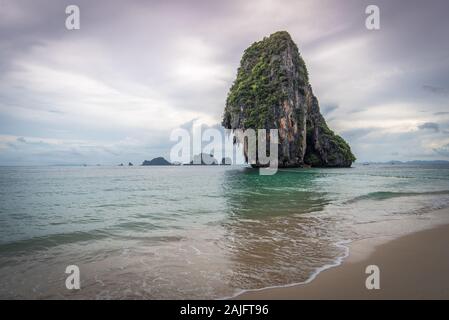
357	110
327	109
443	150
354	134
430	126
436	90
188	124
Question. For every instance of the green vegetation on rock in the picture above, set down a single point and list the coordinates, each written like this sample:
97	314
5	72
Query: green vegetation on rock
262	81
272	91
337	146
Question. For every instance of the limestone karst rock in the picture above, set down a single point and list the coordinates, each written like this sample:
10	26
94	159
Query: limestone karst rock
272	91
159	161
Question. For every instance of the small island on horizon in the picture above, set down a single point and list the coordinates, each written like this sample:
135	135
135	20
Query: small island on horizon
202	159
159	161
227	161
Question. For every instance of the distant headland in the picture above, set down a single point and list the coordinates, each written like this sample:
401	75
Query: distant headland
159	161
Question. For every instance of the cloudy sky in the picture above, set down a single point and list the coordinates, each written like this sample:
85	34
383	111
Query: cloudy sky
113	91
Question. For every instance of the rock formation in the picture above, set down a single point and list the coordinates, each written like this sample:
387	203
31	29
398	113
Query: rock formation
272	91
159	161
203	159
226	161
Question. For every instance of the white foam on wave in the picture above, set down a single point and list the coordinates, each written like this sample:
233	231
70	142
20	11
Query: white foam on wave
344	244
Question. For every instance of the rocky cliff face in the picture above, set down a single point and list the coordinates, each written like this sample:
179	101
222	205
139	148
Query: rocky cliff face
272	91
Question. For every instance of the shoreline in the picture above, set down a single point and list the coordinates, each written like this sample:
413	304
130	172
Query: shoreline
413	265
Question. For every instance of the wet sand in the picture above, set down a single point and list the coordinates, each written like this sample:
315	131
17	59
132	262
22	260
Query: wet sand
413	266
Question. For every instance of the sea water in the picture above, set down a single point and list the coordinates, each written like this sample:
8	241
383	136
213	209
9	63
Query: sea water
195	231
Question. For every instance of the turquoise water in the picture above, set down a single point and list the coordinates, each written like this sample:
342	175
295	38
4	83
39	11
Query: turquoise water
193	232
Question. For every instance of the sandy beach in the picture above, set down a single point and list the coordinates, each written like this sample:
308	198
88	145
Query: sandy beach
412	266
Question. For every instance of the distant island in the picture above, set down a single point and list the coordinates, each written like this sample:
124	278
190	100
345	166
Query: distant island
159	161
226	161
412	162
203	159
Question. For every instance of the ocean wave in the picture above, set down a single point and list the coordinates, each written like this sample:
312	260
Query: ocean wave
51	240
385	195
42	243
